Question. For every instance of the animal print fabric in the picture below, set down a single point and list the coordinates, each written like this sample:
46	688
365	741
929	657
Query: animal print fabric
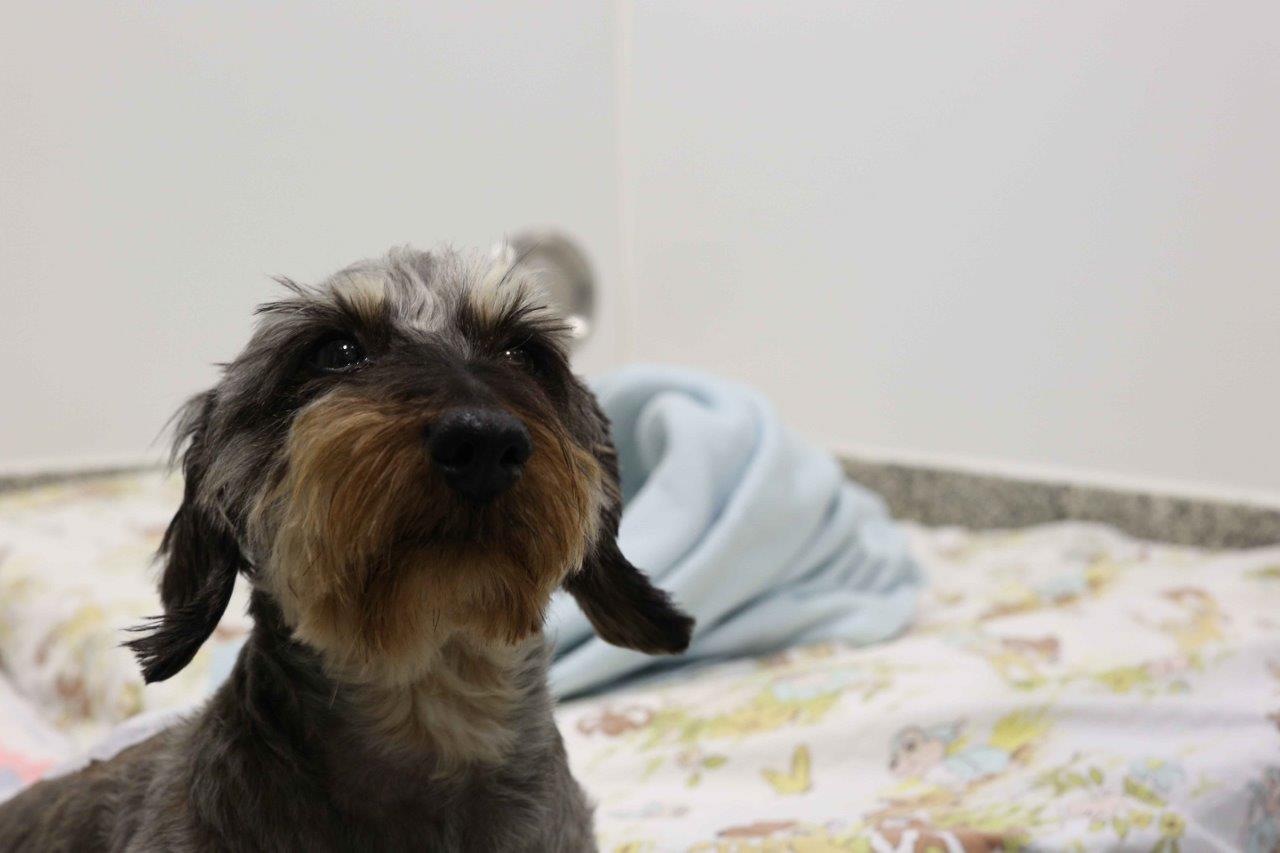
1065	687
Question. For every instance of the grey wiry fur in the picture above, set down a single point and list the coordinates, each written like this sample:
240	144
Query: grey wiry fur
392	694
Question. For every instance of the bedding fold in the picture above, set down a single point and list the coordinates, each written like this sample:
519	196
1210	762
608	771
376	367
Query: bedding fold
754	531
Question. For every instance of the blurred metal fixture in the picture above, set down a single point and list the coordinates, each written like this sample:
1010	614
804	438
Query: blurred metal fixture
562	269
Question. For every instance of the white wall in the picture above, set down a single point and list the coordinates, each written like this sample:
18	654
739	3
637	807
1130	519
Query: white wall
1042	234
159	161
1039	235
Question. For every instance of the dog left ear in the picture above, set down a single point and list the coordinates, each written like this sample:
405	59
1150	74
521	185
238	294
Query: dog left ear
623	606
201	560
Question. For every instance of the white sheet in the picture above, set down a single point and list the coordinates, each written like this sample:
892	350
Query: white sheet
1065	687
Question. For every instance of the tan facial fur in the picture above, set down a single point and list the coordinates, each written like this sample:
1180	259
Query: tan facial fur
364	293
378	565
494	292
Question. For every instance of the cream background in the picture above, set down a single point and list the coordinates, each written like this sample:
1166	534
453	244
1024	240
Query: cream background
1036	237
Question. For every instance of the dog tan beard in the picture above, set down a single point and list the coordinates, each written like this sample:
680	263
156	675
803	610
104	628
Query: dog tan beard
375	562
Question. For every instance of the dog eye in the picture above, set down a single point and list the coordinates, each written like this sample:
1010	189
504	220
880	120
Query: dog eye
338	354
518	355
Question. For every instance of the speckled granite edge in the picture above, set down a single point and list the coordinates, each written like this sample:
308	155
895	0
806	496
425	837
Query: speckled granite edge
936	497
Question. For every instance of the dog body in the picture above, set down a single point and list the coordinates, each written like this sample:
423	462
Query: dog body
403	467
275	762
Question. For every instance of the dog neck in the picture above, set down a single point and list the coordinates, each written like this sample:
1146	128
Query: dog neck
465	708
459	707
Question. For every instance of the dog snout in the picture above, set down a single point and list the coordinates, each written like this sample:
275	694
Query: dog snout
481	452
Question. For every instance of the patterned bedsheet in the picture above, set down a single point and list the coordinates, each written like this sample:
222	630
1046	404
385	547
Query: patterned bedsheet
1065	688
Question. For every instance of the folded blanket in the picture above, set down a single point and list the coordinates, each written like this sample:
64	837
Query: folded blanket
755	532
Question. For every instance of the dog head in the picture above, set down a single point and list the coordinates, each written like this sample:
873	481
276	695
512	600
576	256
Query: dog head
398	456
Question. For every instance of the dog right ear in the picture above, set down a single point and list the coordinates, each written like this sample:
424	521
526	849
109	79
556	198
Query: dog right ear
200	561
623	606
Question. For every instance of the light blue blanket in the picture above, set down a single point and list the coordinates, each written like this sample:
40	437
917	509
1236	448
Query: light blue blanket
754	531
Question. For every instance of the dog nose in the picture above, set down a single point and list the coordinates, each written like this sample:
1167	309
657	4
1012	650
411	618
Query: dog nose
480	451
